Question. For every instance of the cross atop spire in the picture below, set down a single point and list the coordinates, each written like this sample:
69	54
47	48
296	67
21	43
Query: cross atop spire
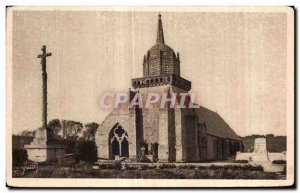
160	31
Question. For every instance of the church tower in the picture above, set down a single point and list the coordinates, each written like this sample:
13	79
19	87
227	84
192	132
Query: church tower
161	66
164	126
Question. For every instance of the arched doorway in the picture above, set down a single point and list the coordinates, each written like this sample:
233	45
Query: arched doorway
202	142
118	142
202	148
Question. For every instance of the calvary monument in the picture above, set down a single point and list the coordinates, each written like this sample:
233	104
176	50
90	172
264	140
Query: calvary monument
44	147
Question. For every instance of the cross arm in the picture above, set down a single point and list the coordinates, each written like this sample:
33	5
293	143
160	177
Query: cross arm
43	55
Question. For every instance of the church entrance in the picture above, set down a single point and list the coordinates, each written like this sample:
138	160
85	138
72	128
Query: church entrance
202	148
202	141
118	142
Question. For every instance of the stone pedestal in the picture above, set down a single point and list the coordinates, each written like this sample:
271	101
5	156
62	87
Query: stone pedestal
260	150
259	155
43	150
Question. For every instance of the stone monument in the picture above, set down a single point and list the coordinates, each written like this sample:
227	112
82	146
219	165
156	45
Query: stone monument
260	153
261	156
45	147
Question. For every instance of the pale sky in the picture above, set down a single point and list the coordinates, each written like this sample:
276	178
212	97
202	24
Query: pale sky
237	63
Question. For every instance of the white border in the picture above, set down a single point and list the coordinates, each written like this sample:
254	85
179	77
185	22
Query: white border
111	2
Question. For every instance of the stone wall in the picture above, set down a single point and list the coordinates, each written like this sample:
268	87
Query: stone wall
159	126
163	136
221	149
202	141
277	156
190	140
45	154
211	147
37	155
150	125
171	135
178	135
127	120
271	156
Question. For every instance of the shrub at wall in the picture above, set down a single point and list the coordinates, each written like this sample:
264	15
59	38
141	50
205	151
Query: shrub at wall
85	151
19	156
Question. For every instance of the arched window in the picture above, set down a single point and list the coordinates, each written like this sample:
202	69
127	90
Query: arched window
118	142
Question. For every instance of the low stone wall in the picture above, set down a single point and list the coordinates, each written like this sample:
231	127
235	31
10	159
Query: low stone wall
272	156
277	156
243	156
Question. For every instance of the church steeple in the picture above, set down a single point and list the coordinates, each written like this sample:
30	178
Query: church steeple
160	31
161	65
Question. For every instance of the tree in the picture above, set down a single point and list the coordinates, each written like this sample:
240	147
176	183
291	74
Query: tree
27	133
55	126
85	151
270	136
71	129
90	131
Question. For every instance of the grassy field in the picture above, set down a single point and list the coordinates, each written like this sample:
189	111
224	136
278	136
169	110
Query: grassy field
152	172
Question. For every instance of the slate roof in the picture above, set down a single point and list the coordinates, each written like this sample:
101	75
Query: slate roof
162	47
215	125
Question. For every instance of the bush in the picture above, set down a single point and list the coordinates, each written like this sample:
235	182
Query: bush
117	165
241	161
19	156
279	162
70	145
236	167
190	167
166	166
85	151
114	165
109	166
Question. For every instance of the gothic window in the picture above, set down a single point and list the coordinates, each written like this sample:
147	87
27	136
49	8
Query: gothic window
119	142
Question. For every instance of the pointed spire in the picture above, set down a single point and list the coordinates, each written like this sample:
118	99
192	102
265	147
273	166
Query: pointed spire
160	31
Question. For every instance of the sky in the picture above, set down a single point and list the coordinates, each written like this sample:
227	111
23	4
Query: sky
237	63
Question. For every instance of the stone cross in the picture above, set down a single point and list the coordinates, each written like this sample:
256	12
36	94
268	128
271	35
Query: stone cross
43	57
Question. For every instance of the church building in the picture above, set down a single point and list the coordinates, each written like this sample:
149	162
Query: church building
168	134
